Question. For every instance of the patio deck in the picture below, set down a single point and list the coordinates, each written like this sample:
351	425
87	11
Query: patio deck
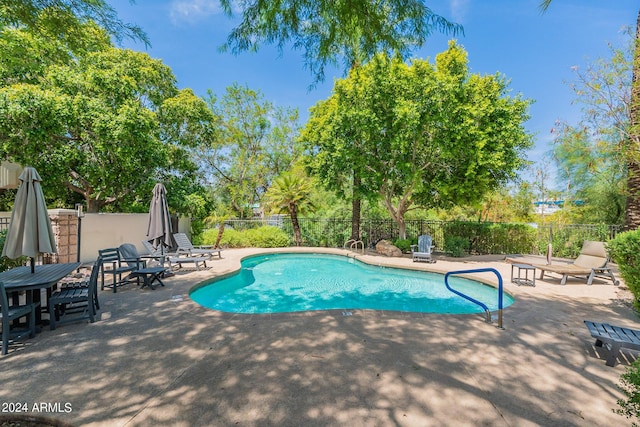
154	358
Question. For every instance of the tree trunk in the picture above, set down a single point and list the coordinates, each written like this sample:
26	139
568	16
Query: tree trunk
220	233
632	221
93	205
356	205
296	226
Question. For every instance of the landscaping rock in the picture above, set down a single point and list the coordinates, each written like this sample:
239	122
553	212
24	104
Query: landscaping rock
387	248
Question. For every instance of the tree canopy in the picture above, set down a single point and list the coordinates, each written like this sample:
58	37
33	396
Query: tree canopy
65	19
255	142
418	134
332	31
105	125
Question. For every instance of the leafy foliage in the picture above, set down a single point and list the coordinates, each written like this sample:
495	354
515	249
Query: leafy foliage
63	19
291	193
261	237
592	155
490	238
418	135
624	249
113	123
254	142
630	386
332	31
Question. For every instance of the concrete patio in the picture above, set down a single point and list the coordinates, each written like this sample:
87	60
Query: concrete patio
156	358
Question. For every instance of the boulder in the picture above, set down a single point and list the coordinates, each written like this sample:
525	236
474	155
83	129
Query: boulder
387	248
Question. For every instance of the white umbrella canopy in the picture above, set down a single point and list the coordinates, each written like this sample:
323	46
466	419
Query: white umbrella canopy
159	229
30	233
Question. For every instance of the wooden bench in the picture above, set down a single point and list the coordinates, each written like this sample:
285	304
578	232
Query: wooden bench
613	338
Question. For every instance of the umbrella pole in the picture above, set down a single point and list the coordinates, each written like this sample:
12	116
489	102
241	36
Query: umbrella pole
33	264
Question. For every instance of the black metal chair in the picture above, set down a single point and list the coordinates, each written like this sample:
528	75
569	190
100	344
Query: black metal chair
112	257
76	298
15	312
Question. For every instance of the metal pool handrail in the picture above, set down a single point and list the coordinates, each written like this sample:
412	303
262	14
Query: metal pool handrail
486	309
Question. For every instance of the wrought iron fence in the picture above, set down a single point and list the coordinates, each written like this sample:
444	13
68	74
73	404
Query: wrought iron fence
482	237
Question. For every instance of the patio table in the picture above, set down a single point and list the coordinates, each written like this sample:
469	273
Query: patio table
44	277
149	275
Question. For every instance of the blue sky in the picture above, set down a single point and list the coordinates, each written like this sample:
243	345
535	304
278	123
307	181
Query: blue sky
535	51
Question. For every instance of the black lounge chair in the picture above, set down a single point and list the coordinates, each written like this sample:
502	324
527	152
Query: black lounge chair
613	338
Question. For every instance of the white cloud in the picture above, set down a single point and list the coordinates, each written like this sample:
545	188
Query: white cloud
188	11
459	10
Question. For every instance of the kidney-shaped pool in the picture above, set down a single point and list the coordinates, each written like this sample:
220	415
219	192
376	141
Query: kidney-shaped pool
281	283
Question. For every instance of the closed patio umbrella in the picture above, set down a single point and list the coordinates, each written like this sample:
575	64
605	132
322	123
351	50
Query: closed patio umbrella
30	233
159	229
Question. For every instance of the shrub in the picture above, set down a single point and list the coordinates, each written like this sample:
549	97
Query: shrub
456	246
262	237
230	239
403	244
624	249
268	237
630	386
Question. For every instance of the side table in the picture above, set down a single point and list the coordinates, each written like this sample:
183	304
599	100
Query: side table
519	280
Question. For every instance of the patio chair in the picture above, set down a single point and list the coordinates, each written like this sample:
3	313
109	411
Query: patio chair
81	297
422	251
14	312
129	254
112	258
185	246
592	262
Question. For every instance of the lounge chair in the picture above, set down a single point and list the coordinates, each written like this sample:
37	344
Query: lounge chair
176	258
422	251
613	338
592	262
185	246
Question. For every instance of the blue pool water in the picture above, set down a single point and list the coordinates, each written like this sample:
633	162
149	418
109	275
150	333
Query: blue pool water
281	283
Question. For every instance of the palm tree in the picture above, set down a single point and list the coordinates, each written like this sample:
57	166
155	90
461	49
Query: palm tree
291	193
632	220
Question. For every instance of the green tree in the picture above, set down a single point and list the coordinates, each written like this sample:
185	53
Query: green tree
255	142
65	19
105	126
629	126
334	33
419	135
291	193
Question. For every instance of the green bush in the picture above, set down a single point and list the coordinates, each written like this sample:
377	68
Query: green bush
268	237
492	238
624	250
456	246
630	386
230	238
261	237
403	244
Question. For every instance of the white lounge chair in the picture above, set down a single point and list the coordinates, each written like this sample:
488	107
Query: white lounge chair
185	246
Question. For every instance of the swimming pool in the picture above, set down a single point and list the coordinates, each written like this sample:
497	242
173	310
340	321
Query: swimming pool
283	283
